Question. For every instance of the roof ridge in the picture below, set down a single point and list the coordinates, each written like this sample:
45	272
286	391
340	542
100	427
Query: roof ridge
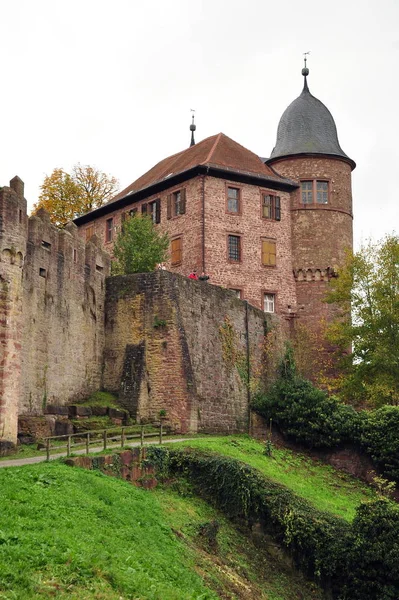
208	158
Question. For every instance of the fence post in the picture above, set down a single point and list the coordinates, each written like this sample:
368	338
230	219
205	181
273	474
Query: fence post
142	436
48	448
160	433
123	438
87	442
69	446
105	439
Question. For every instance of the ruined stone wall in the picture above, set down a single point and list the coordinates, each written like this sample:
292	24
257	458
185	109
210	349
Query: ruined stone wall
52	289
63	307
179	345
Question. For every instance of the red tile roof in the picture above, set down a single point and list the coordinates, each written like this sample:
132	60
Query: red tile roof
217	151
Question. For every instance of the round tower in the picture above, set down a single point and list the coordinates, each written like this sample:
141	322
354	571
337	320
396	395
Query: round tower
307	150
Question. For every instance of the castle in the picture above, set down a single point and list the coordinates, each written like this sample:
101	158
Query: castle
270	231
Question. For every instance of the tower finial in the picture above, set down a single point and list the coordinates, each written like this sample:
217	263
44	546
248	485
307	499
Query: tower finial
305	70
193	127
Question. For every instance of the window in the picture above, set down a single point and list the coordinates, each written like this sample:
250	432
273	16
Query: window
109	226
269	253
271	207
176	204
314	190
46	245
176	251
234	248
89	232
155	211
237	292
322	192
233	200
269	301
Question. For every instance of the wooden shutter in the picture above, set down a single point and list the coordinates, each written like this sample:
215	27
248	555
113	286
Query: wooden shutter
144	209
277	210
176	251
183	201
158	210
169	206
269	253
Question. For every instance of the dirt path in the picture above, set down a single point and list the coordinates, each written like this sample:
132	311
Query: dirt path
19	462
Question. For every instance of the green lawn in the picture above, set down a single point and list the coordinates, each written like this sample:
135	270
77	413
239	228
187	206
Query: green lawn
76	534
329	490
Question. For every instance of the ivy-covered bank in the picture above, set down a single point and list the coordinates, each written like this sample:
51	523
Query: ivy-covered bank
358	561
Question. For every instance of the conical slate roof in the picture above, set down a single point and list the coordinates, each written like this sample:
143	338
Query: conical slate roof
307	127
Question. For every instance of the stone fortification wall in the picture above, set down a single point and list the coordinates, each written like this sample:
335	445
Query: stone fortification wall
182	346
63	308
52	290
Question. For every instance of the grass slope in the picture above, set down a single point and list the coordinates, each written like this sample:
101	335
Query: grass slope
69	533
327	489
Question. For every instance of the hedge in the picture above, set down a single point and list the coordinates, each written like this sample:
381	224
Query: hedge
354	562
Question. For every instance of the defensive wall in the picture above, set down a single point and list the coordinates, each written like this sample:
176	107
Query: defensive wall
185	347
51	312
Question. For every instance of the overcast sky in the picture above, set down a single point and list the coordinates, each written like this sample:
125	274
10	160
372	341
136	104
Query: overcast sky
111	84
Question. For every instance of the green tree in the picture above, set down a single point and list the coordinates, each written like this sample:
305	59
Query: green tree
139	247
368	287
65	196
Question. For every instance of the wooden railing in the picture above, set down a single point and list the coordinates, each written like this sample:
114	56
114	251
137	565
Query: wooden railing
86	439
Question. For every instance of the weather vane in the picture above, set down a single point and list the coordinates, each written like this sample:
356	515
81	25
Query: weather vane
305	55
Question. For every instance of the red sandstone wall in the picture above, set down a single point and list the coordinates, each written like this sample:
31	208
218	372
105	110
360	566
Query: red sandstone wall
320	233
167	341
249	275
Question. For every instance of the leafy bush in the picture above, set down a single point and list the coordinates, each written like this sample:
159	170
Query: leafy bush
373	557
308	416
379	436
305	413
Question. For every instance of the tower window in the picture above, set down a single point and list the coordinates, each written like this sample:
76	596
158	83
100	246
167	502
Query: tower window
233	200
307	192
314	190
322	192
234	248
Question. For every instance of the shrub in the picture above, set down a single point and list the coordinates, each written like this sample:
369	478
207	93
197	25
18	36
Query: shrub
373	556
305	413
379	436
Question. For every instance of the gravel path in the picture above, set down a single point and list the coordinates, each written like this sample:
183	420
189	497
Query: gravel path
19	462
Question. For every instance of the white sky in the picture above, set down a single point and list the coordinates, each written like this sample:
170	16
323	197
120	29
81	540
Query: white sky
111	84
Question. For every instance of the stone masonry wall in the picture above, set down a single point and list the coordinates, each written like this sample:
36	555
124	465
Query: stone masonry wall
179	345
63	306
52	289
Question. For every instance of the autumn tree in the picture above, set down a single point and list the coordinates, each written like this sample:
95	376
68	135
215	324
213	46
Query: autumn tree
368	287
65	196
139	247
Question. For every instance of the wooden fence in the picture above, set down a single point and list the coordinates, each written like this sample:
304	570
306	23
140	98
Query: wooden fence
86	439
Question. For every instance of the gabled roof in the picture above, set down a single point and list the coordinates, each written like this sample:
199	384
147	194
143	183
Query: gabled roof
215	151
218	155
